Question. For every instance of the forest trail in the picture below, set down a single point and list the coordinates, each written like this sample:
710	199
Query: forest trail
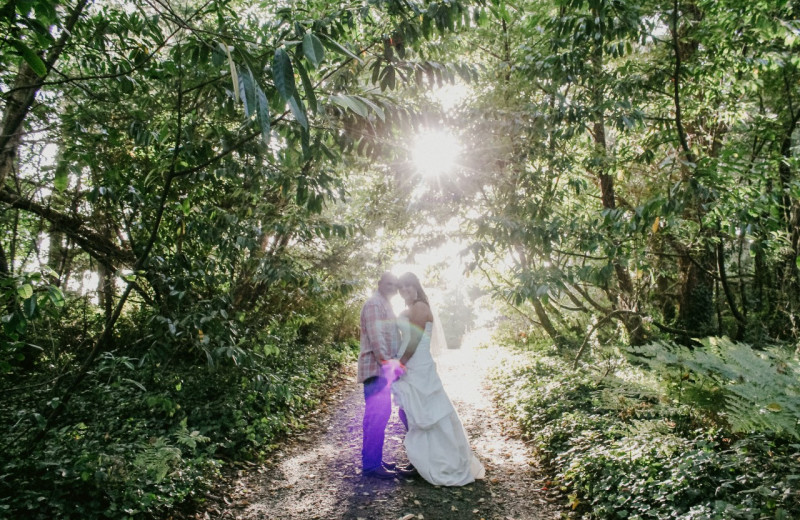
316	475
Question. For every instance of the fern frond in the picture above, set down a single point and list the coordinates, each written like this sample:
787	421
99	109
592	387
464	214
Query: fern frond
760	388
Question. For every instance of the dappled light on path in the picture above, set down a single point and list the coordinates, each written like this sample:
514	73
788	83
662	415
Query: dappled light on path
508	461
317	474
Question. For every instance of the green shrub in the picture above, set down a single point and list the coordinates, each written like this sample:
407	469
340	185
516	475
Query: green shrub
633	443
165	427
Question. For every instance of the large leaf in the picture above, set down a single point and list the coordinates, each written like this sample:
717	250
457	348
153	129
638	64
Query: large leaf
263	113
299	111
313	49
247	88
61	180
29	307
378	110
307	87
352	103
283	74
234	75
337	47
56	296
25	291
31	58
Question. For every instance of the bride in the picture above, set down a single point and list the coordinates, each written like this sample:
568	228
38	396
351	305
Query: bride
436	442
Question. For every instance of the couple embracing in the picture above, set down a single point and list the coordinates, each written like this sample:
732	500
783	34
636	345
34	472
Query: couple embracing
396	359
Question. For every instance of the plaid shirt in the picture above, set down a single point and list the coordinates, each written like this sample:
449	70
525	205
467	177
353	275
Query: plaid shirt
378	333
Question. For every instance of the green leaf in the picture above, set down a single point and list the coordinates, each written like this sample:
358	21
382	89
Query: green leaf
263	113
378	110
337	47
313	49
31	58
29	307
376	69
305	144
388	78
137	384
247	92
350	102
283	74
307	87
25	291
299	111
234	75
56	296
61	180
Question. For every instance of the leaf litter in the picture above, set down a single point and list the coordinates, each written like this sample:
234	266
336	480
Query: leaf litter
316	475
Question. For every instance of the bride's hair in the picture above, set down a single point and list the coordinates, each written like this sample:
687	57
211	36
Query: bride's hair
412	280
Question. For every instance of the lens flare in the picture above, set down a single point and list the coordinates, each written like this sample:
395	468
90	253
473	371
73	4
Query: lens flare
435	152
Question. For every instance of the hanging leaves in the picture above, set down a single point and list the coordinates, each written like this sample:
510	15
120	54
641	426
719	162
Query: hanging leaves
313	49
308	88
337	47
31	58
352	103
61	179
283	75
234	75
263	113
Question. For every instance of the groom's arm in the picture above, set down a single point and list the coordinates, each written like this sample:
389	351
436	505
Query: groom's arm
374	322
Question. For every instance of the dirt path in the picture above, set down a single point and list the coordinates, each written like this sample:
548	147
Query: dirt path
317	474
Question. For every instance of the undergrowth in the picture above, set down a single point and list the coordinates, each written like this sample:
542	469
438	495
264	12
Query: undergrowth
149	433
661	432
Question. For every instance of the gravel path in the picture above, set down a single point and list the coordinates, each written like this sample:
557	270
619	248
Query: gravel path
317	475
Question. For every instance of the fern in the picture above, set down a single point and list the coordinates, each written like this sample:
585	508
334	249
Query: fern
760	389
189	439
157	459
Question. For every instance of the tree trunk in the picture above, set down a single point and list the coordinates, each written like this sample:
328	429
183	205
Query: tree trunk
624	298
790	211
696	295
56	257
544	319
23	93
18	103
105	290
723	275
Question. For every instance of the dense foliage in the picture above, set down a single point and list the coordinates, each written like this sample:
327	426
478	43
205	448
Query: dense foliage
632	167
195	196
623	441
186	214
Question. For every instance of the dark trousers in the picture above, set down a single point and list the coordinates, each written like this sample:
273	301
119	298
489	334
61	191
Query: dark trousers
378	409
403	418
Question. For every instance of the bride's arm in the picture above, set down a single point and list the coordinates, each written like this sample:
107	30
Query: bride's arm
418	316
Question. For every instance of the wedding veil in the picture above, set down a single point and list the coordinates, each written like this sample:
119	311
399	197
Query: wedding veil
438	341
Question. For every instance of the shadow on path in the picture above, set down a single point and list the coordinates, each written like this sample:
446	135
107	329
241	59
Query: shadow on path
317	475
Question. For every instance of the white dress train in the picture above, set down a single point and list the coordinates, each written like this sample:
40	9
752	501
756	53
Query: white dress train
436	442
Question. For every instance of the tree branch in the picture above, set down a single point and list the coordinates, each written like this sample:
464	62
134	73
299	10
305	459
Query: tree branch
20	103
676	87
95	244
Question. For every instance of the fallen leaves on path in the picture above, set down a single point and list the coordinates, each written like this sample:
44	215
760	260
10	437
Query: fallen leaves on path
316	475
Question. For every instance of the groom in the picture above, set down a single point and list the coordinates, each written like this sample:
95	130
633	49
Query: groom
380	341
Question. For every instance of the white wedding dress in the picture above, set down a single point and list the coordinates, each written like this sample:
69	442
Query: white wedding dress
436	442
